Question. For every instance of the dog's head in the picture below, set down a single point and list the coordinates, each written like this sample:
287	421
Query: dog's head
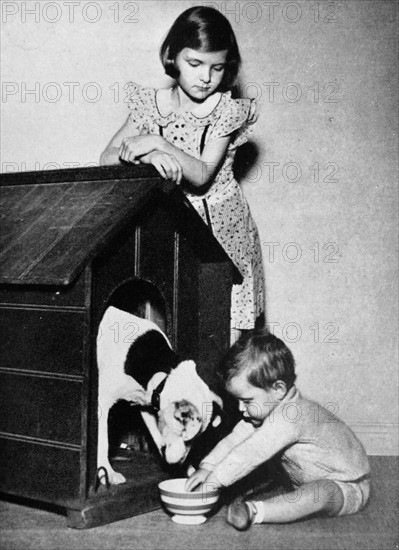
178	423
187	407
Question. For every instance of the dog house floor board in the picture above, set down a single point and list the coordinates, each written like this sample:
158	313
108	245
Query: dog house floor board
138	495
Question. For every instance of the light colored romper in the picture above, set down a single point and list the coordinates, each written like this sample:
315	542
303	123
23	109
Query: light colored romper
316	446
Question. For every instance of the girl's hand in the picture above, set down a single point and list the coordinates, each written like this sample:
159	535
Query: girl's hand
196	479
167	165
134	147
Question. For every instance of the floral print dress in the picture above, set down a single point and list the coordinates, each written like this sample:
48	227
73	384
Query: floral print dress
223	207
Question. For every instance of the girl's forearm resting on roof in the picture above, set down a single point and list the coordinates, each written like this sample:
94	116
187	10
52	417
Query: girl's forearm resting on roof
196	171
110	156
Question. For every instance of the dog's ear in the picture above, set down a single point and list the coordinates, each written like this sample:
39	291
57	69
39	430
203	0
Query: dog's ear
217	412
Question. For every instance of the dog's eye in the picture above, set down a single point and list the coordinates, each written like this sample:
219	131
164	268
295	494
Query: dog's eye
182	404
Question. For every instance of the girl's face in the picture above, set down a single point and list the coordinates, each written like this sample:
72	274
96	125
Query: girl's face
255	404
201	73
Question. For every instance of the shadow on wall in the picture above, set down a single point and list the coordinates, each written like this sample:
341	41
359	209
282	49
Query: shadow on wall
245	159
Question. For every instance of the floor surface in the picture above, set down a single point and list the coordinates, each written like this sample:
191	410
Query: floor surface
376	527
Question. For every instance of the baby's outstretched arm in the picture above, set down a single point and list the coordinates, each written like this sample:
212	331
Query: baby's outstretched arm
202	480
204	474
197	478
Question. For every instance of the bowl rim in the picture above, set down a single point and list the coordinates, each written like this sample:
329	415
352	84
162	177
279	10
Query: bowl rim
193	495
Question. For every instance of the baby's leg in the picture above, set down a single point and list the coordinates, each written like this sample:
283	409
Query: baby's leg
317	497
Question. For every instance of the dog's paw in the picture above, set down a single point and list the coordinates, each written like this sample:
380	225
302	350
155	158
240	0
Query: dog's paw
139	397
114	478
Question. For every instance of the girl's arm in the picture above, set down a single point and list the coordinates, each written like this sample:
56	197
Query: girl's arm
110	155
198	172
166	164
129	145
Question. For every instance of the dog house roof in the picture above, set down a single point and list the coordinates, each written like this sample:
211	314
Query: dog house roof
54	222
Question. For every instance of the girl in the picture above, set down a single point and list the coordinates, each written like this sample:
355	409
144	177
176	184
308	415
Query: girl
190	133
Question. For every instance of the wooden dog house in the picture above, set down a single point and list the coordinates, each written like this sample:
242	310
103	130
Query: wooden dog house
69	240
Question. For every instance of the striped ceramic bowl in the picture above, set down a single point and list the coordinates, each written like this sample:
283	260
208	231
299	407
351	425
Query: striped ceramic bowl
189	508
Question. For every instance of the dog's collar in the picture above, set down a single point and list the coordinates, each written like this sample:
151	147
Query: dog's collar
156	395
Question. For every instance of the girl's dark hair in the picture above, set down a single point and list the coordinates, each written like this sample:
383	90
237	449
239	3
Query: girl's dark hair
206	29
263	357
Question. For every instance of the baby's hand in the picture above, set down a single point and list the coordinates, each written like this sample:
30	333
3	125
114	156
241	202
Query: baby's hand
167	165
196	479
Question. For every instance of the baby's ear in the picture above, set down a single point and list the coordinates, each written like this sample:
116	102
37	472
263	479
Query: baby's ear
280	387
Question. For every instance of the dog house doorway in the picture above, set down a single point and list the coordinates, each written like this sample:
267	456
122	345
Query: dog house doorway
141	298
130	444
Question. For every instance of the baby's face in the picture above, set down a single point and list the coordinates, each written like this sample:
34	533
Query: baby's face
255	404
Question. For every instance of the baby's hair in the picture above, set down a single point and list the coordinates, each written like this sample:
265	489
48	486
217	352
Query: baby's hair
263	357
205	29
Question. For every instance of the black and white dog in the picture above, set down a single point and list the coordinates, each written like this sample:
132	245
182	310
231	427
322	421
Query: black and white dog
176	404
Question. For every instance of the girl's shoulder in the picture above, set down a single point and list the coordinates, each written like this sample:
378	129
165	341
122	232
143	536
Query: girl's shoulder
234	116
139	97
239	104
143	106
241	110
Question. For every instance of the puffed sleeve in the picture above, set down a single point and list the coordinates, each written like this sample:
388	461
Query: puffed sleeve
136	99
237	119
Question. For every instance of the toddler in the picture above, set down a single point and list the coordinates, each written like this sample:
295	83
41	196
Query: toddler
323	458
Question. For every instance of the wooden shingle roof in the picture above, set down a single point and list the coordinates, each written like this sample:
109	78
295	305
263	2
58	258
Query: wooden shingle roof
54	222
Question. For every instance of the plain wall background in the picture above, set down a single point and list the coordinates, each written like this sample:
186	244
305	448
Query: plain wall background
325	202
